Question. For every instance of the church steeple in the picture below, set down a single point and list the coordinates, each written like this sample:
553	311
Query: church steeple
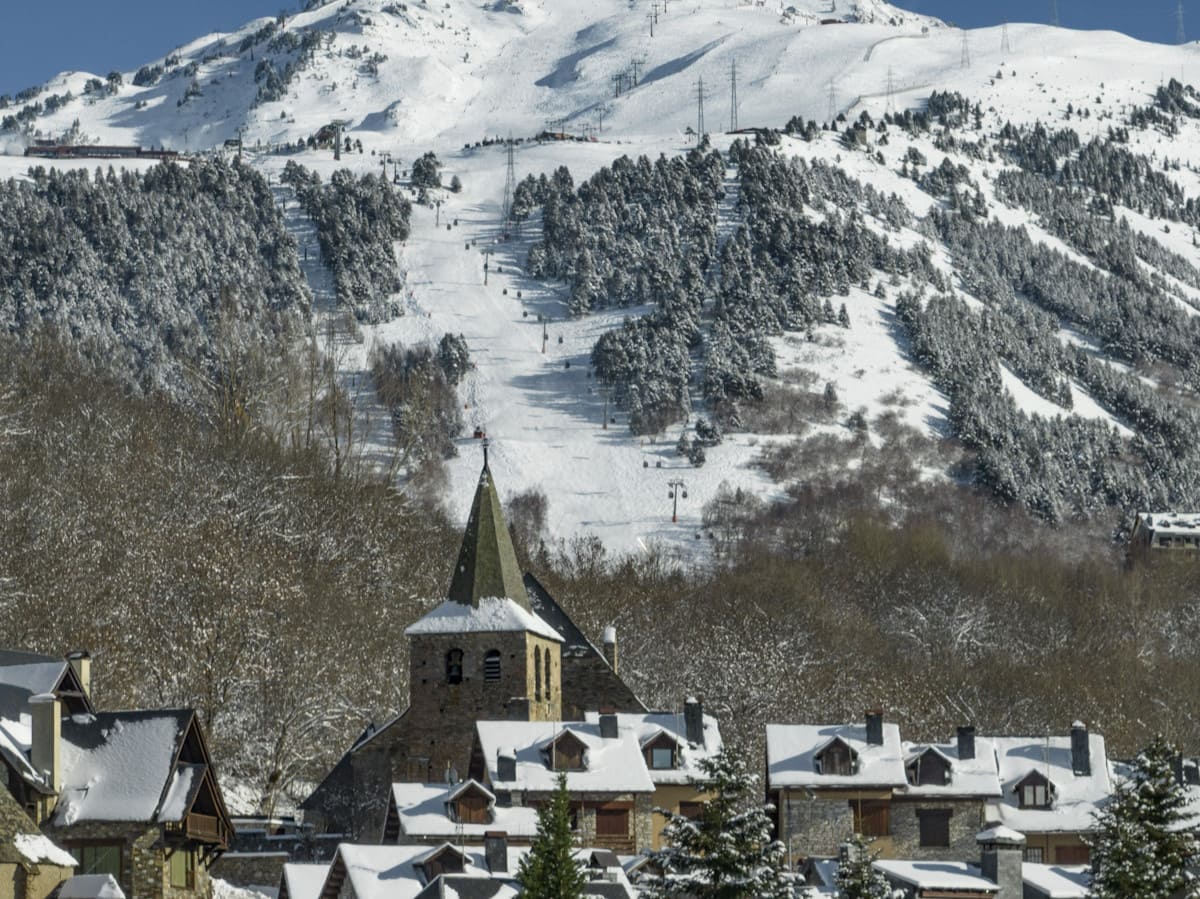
487	563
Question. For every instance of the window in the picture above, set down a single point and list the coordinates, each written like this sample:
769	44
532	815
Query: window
537	678
1034	791
566	753
662	758
99	858
546	674
1072	855
929	770
491	666
836	759
473	810
934	826
454	666
183	869
612	822
872	817
691	810
445	862
1033	854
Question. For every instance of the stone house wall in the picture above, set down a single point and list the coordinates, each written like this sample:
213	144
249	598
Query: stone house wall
145	870
641	818
966	820
245	869
31	881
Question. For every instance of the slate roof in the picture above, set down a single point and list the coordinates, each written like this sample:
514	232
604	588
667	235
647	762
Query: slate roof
976	777
422	811
487	563
649	725
1076	797
613	765
793	748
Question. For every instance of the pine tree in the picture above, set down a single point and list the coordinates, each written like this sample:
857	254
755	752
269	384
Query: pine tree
857	876
549	871
726	852
1142	845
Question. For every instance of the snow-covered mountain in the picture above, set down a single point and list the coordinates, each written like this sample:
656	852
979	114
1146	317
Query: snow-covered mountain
411	77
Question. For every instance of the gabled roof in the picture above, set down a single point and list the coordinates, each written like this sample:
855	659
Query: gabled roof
135	766
487	563
1056	881
613	765
386	872
26	674
302	881
1076	797
21	842
649	725
91	886
976	777
422	813
793	748
942	877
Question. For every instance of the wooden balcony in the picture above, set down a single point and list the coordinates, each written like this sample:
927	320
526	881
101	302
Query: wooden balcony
623	844
203	829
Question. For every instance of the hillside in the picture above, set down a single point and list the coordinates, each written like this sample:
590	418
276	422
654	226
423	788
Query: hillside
411	78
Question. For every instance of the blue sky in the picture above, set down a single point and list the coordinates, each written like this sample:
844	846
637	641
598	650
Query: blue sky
43	37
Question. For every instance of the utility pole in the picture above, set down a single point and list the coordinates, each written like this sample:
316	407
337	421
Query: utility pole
601	111
699	109
733	98
605	391
486	255
618	81
337	141
635	68
654	9
545	332
677	487
652	19
1180	31
966	50
1005	46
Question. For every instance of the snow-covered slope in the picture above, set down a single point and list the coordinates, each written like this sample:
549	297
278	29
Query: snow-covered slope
406	78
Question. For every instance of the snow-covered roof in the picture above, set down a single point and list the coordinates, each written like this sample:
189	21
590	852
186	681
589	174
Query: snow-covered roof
947	876
493	615
15	738
612	766
1055	881
976	776
393	872
303	880
793	748
39	848
423	813
91	886
1075	797
648	725
117	766
1181	523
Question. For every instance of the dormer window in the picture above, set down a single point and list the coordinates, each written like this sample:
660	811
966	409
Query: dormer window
566	753
454	666
446	860
1035	791
836	760
929	769
472	805
662	753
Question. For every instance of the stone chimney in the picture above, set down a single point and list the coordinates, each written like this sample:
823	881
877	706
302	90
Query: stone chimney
46	749
693	721
495	851
506	766
81	661
608	724
875	727
1001	855
610	647
1081	753
966	742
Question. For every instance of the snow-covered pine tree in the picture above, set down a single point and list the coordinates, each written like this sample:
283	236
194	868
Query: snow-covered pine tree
857	877
549	871
1142	843
726	852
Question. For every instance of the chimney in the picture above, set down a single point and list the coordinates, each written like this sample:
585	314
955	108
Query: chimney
495	851
608	724
875	727
506	766
1001	854
610	647
1081	754
81	661
693	721
966	743
45	753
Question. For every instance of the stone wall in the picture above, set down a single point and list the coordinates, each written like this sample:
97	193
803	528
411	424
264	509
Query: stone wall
589	684
145	871
246	869
813	827
966	820
31	881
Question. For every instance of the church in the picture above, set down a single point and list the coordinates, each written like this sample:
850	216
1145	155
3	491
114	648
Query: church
498	648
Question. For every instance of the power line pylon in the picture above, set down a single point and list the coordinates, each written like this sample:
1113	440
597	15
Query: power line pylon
1180	31
1054	13
1005	46
699	108
966	50
891	91
733	97
510	186
833	104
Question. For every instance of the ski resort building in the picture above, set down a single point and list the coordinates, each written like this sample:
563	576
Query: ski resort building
498	648
129	794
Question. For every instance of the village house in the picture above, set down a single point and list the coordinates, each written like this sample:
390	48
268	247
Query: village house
129	794
611	792
31	865
1165	535
498	647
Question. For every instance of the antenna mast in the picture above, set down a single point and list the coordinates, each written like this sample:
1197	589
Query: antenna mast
699	108
510	186
966	50
733	98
